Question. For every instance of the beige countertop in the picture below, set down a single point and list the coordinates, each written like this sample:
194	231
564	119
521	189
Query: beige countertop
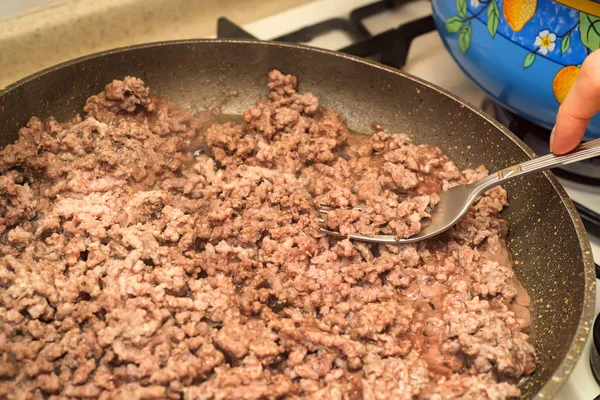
73	28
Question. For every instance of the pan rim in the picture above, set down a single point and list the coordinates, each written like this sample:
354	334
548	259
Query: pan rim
552	385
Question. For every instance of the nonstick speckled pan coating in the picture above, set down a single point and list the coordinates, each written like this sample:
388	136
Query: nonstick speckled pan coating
547	237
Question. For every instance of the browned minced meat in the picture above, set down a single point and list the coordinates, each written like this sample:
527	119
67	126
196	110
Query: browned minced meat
130	270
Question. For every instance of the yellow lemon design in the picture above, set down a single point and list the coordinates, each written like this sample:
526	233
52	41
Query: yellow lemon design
518	12
563	80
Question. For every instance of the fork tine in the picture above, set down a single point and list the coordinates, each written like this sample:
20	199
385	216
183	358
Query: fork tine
324	211
333	233
354	236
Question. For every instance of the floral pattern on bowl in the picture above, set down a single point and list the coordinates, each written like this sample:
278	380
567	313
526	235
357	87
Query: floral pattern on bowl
576	34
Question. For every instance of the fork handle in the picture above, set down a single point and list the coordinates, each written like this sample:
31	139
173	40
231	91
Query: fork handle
582	152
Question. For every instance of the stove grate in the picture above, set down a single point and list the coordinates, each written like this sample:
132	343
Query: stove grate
390	47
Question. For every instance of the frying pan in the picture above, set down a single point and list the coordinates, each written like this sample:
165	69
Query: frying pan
546	237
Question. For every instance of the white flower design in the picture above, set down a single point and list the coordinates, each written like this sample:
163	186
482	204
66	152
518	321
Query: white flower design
544	41
475	3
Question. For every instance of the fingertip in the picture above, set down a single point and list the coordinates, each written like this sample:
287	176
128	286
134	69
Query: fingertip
561	147
564	143
567	133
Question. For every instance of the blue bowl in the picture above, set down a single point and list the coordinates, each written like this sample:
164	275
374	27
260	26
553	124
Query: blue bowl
525	54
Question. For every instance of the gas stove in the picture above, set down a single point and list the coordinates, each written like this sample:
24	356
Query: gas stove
401	34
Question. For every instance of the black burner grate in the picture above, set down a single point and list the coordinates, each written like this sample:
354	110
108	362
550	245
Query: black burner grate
390	47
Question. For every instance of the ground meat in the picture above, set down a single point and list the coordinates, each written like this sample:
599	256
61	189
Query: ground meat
131	270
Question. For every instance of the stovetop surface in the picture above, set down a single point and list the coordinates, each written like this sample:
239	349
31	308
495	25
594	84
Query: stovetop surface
427	59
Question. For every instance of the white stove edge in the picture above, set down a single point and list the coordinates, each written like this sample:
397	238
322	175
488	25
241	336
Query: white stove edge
429	60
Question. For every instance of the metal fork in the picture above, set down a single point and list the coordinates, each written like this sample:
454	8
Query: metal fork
454	203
